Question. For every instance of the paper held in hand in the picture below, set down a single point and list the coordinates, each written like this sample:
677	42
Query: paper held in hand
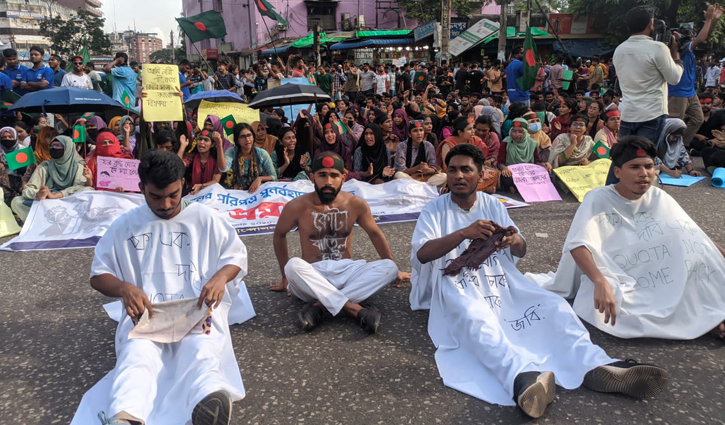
172	321
161	82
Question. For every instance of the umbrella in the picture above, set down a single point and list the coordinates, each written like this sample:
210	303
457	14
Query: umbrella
66	100
215	96
289	94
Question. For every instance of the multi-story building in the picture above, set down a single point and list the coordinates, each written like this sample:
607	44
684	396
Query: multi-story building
92	6
141	45
20	22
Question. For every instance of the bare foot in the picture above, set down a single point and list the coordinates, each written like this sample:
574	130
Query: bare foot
719	331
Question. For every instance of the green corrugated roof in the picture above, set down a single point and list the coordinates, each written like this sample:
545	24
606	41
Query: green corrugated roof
381	33
308	41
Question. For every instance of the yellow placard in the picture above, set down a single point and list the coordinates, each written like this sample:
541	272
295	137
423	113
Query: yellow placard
161	83
581	179
8	225
240	112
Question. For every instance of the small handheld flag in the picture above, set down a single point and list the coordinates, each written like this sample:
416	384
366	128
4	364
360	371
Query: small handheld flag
79	134
126	99
601	150
341	127
88	115
20	158
312	79
228	124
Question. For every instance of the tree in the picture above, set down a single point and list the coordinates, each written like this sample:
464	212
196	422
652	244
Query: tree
164	55
427	10
82	29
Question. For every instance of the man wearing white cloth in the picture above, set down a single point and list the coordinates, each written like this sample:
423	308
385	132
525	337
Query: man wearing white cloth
499	337
637	263
167	250
326	276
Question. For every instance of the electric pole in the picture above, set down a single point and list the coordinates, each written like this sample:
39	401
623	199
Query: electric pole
173	51
502	31
446	28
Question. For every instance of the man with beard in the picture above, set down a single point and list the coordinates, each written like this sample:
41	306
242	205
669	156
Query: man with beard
325	276
499	337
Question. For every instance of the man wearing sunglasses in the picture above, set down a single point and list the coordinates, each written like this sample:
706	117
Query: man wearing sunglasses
78	78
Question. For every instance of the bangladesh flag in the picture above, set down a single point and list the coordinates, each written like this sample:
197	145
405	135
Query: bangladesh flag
601	150
79	134
228	124
209	24
20	158
341	127
88	115
420	78
527	80
126	99
312	80
266	9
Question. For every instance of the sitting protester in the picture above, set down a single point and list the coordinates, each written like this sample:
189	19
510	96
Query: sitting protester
262	139
61	176
290	159
204	162
247	166
609	134
537	134
462	133
372	158
332	142
517	148
675	159
574	147
560	124
416	159
107	146
485	131
11	181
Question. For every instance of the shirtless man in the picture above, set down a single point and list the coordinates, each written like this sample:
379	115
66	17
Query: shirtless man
326	276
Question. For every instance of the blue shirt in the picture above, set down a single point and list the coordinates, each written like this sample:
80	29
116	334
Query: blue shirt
16	74
44	73
58	77
124	79
514	71
686	86
184	90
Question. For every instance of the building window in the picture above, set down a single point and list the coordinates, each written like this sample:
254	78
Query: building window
322	14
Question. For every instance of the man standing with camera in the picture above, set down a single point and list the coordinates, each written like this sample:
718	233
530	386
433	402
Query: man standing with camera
683	102
645	67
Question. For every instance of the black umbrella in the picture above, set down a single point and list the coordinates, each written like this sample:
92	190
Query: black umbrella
289	94
64	100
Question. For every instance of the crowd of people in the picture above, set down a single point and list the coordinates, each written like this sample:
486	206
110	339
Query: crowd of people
460	128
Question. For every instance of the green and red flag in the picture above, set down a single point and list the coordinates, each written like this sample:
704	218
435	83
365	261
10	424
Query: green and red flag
527	80
84	54
79	134
600	150
312	79
20	158
209	24
228	124
266	9
126	99
88	115
420	78
341	127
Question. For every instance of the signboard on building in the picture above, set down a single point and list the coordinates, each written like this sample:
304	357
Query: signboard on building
26	14
425	30
472	36
363	56
567	23
210	53
458	25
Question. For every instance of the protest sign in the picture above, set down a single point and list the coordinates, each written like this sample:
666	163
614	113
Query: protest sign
533	183
117	172
581	179
161	82
80	220
684	181
238	111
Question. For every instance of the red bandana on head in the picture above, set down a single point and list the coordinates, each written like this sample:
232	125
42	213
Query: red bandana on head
470	121
205	133
517	123
641	152
706	100
328	126
328	162
418	124
611	114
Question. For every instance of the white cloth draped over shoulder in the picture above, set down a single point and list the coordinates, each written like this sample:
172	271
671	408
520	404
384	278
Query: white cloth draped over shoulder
667	276
170	260
492	323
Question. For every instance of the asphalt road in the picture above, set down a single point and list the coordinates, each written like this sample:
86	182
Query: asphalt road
56	342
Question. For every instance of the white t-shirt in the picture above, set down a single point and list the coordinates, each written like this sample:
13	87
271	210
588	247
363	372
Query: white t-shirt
381	80
78	81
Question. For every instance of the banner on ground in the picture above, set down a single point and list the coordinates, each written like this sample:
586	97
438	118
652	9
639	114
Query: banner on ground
240	112
533	183
161	84
581	179
80	220
117	172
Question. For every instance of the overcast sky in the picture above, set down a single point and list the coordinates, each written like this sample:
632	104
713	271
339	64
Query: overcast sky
149	16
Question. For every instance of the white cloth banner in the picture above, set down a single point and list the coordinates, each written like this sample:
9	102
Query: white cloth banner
80	220
666	274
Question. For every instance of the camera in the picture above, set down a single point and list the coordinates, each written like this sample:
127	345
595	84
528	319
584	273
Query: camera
661	33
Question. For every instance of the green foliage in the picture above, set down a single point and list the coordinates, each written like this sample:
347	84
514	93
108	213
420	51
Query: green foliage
427	10
164	55
69	36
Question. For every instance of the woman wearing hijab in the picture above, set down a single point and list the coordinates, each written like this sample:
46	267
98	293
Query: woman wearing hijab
247	166
517	148
355	130
128	133
537	134
675	159
609	134
372	158
203	162
92	124
10	181
400	124
262	139
41	150
291	160
108	146
333	142
63	175
115	125
574	147
213	123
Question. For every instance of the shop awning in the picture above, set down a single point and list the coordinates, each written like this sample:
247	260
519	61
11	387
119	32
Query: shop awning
584	48
382	33
511	33
309	40
275	51
345	45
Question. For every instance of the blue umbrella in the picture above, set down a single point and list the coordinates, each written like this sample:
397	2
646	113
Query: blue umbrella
66	100
216	96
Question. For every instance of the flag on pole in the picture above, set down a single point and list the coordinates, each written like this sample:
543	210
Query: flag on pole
266	9
601	150
341	127
20	158
79	134
228	124
209	24
86	58
528	78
